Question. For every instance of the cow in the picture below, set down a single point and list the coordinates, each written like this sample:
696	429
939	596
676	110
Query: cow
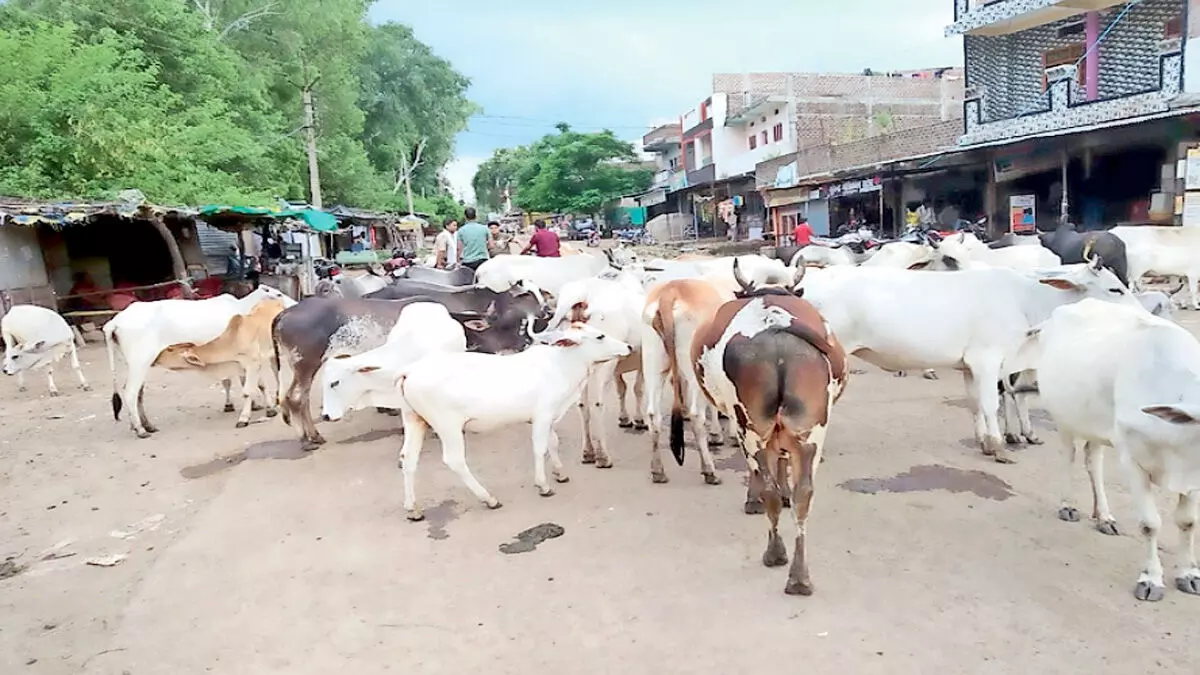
1155	302
1012	239
1162	251
369	379
452	393
1141	397
36	337
612	306
346	286
1079	247
243	349
546	274
768	360
319	328
823	256
967	248
141	332
968	320
674	311
460	276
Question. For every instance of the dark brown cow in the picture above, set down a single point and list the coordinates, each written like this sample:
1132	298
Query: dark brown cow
768	360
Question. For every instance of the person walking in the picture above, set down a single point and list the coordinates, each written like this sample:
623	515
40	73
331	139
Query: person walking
802	234
543	243
472	241
445	247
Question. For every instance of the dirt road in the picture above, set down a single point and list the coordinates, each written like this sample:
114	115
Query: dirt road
925	556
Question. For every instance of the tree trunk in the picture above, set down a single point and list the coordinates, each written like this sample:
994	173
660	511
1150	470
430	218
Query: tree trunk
177	263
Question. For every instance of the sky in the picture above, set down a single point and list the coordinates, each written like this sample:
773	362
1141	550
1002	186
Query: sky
627	65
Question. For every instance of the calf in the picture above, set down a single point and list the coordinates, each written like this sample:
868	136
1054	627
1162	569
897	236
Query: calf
1141	397
768	360
1079	247
319	328
36	337
969	320
141	332
674	311
1163	251
243	349
612	306
452	393
369	379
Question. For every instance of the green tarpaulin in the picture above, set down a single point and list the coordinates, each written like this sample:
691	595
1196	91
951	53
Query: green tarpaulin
317	220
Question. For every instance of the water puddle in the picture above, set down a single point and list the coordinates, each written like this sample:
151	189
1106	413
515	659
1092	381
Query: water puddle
438	517
927	478
528	540
288	449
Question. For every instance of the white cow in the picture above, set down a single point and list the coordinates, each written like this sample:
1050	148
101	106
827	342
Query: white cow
1163	251
612	306
1155	302
546	274
36	337
969	320
141	332
355	382
965	246
822	256
1118	376
351	287
453	393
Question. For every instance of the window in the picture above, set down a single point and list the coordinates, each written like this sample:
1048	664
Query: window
1064	56
753	141
778	132
1173	28
764	137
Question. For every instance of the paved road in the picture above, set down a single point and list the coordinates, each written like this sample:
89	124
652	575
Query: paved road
925	556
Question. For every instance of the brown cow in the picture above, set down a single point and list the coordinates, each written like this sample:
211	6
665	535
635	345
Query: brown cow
768	360
244	348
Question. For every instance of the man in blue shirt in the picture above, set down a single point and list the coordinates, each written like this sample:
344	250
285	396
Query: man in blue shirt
472	241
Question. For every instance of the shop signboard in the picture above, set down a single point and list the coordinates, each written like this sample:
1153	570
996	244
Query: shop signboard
1022	214
852	187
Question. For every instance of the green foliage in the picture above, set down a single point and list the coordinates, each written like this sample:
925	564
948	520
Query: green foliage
566	172
496	174
199	101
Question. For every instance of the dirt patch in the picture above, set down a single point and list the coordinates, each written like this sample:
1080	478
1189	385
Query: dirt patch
930	477
528	540
735	460
288	449
438	517
10	568
374	435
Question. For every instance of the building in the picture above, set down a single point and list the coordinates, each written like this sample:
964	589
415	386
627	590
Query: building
1084	108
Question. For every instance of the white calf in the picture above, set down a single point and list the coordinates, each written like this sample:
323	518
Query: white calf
969	320
1118	376
355	382
453	393
36	337
612	306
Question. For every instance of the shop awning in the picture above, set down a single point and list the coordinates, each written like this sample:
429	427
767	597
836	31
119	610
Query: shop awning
317	220
788	196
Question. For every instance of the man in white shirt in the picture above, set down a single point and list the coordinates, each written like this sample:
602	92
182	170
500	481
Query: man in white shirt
446	245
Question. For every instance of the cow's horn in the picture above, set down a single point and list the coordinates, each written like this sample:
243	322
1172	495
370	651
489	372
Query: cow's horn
737	276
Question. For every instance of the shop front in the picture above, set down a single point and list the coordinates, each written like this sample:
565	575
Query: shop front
857	203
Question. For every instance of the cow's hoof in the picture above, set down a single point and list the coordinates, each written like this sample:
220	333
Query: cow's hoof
309	445
495	503
415	516
85	387
1189	584
588	459
716	441
562	479
546	492
712	479
229	408
319	439
930	375
753	507
624	423
151	428
241	425
659	478
143	434
640	425
1012	439
798	588
603	463
1069	514
776	554
272	412
1033	440
1005	457
1108	527
1148	592
255	406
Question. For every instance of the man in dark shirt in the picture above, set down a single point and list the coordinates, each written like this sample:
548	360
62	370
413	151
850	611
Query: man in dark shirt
544	243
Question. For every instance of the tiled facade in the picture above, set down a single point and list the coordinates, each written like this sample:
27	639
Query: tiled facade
1139	72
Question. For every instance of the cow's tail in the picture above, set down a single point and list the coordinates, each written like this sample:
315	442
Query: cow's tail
285	412
664	320
110	343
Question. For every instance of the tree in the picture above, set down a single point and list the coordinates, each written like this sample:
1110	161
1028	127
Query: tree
497	175
576	172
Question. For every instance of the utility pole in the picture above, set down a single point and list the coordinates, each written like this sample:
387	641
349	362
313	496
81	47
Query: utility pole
405	173
310	136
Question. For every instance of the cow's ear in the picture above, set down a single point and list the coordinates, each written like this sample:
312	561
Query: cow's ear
193	360
919	265
39	345
477	325
1174	414
343	356
565	342
368	369
1060	284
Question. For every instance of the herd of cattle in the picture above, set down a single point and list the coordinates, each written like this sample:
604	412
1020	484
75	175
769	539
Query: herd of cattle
760	342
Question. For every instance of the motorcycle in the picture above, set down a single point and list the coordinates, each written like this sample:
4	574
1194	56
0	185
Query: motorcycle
593	238
325	268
